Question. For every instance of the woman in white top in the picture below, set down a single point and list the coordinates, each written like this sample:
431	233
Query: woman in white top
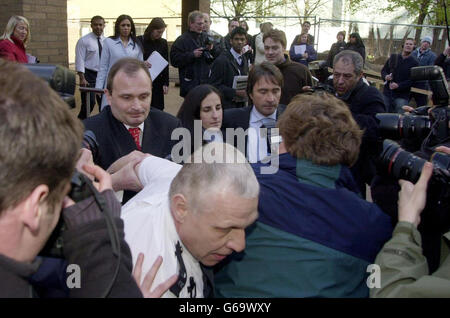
122	44
259	44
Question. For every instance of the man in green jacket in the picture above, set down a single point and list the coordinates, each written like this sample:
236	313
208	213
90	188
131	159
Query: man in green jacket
403	267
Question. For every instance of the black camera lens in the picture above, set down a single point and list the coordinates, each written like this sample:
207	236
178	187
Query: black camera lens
398	163
90	142
441	166
396	126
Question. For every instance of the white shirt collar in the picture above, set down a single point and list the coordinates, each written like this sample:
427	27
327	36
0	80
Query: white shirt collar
141	126
236	55
119	40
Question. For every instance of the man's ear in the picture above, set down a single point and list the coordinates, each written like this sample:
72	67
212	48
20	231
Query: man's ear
108	95
179	207
35	206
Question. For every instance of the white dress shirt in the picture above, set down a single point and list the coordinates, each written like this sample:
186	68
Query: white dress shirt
256	143
238	57
150	229
86	53
113	50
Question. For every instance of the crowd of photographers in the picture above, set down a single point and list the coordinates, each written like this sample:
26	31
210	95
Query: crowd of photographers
183	225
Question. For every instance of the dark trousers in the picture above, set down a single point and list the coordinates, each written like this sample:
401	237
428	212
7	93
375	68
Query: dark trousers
91	77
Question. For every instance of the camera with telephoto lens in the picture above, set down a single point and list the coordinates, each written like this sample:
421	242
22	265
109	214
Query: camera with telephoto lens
433	127
401	164
81	188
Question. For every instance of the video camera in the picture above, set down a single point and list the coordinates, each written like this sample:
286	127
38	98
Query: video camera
60	79
206	54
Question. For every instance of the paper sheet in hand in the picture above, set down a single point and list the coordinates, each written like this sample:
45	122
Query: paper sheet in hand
158	64
300	49
240	82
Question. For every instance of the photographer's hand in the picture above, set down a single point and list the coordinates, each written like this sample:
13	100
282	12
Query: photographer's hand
198	52
103	177
412	198
443	149
95	173
150	277
393	85
85	158
388	77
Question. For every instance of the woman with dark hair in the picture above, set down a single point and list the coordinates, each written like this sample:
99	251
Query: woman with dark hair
152	41
122	44
356	44
204	103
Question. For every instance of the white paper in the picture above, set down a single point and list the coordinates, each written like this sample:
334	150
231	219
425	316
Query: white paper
300	49
31	59
240	82
246	48
158	64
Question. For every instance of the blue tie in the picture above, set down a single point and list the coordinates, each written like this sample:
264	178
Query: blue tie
268	123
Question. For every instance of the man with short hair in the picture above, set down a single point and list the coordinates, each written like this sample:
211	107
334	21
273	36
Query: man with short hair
264	88
40	141
306	26
193	215
364	102
233	23
229	64
87	61
314	236
295	75
426	57
191	55
129	123
212	36
397	74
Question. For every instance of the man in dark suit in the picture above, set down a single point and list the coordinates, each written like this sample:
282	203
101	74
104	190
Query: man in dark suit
264	88
229	64
129	124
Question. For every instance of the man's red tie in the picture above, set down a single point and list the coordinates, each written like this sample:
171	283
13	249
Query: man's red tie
135	133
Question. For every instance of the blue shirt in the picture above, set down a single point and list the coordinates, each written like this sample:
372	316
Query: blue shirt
112	51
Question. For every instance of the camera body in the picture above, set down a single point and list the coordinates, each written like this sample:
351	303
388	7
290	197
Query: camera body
81	188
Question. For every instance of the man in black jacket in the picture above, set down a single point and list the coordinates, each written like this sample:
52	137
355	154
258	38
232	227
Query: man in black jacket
365	102
39	143
264	88
229	64
190	54
129	123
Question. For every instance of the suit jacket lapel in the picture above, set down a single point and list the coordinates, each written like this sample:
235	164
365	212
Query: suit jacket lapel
234	62
151	141
123	140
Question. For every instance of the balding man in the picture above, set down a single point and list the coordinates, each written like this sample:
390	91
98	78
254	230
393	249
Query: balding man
192	215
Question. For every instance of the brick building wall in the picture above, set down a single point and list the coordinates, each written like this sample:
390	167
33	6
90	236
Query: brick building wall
48	24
